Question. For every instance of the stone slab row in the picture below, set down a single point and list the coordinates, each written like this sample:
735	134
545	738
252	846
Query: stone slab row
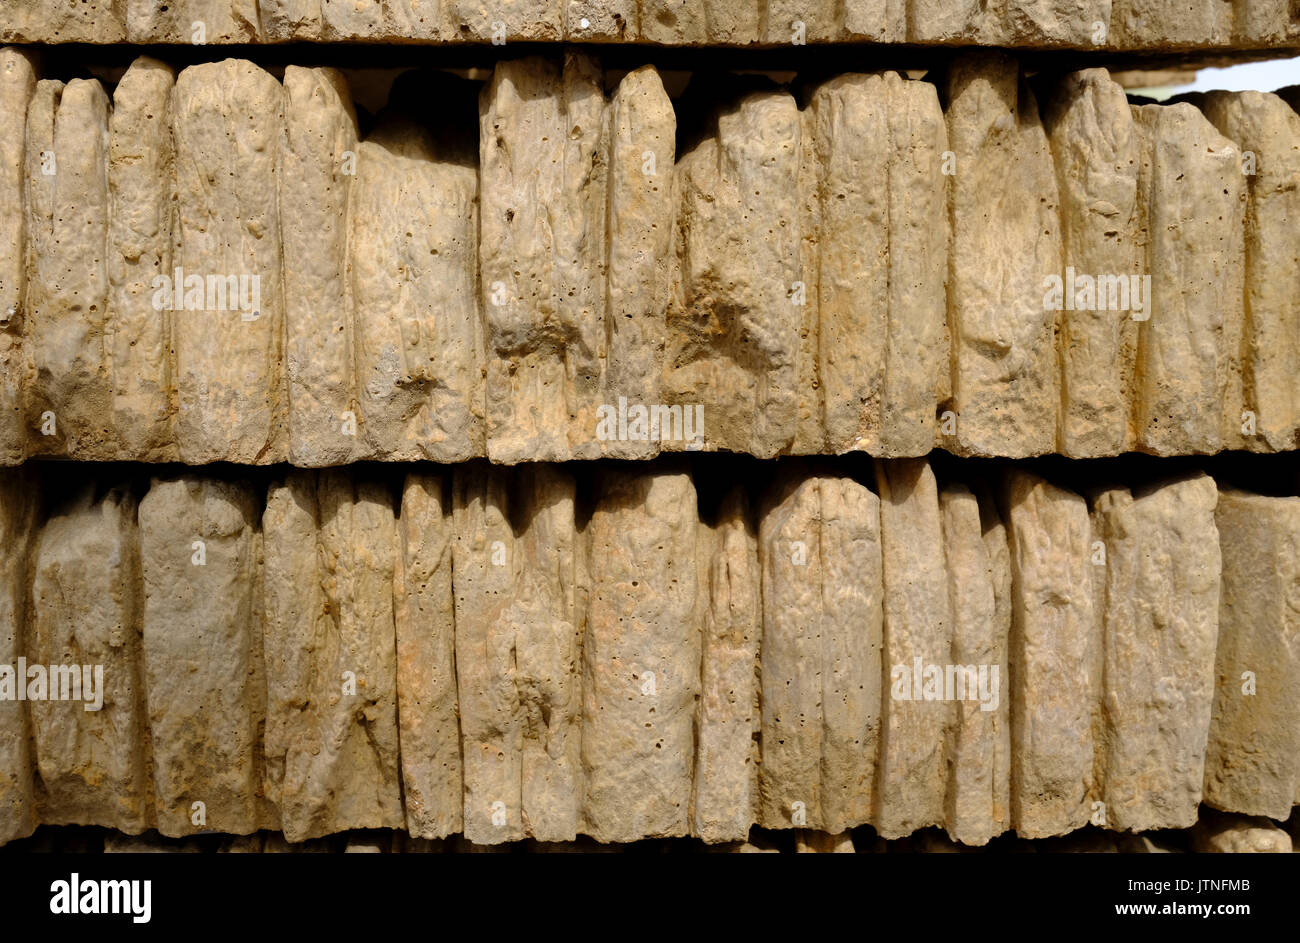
221	267
545	653
1077	24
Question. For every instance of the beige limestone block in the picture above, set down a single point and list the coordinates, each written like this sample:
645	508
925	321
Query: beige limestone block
197	22
1096	146
505	21
1252	763
810	424
290	20
1052	657
610	21
424	612
229	132
18	504
141	160
91	752
918	640
371	20
724	802
1160	629
1142	24
792	22
543	169
734	321
820	552
518	641
1005	242
975	807
1239	834
17	83
330	654
1267	132
419	337
875	20
56	21
68	399
1189	386
998	553
1260	22
882	262
318	167
1008	22
640	657
203	655
642	145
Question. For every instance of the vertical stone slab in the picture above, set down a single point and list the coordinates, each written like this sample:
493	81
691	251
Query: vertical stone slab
424	612
141	177
724	801
918	637
1252	762
974	812
642	144
1005	242
419	343
1189	373
68	400
203	655
733	326
18	504
329	637
998	553
810	426
17	83
89	735
318	167
192	21
1161	627
1267	132
518	632
882	262
1052	655
641	657
1096	148
543	165
229	130
820	551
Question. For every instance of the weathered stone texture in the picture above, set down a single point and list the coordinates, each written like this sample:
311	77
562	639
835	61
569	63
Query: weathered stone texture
820	549
1005	239
647	661
1253	761
1076	24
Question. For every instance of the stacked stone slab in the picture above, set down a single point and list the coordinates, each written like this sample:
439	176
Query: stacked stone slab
531	653
1092	24
872	272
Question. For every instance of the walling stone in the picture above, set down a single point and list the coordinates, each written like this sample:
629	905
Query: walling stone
17	83
1252	763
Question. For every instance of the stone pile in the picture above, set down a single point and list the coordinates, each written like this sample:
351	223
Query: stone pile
546	653
218	266
1075	24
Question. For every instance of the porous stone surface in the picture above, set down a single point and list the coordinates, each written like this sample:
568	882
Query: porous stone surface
871	272
1252	762
1071	24
635	652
